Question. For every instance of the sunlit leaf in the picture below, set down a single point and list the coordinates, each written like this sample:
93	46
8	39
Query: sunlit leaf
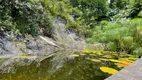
95	60
104	59
125	63
120	65
75	55
92	54
133	59
108	70
107	56
115	54
85	51
99	53
114	60
126	59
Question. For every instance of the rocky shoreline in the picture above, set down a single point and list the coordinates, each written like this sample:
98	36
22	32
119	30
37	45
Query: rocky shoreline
13	44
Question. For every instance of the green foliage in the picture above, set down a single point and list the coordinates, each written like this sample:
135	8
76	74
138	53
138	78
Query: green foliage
7	24
111	46
118	3
138	51
92	9
135	6
134	3
24	14
140	14
119	9
125	35
66	11
35	16
127	41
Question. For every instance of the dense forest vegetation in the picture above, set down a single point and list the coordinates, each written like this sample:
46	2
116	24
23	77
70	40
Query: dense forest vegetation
118	23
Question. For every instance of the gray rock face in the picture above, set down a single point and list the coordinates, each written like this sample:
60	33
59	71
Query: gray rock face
68	38
7	47
24	46
132	72
10	43
41	46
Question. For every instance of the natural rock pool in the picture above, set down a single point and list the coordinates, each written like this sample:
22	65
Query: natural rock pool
64	65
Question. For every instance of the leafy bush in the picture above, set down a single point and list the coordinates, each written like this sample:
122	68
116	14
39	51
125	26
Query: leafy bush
127	41
119	3
138	51
140	14
134	3
111	46
65	10
92	9
124	34
25	14
35	16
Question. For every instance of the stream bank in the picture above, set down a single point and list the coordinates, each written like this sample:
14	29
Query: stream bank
24	50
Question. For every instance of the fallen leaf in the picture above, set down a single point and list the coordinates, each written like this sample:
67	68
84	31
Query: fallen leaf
114	60
75	55
127	59
125	63
85	51
108	70
133	59
107	56
95	60
99	53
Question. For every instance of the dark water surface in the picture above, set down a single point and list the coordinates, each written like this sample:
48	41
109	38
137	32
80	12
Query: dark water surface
62	66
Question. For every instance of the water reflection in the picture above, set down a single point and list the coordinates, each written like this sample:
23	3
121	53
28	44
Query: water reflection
62	66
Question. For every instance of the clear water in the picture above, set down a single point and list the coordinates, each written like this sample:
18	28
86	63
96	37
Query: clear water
62	66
